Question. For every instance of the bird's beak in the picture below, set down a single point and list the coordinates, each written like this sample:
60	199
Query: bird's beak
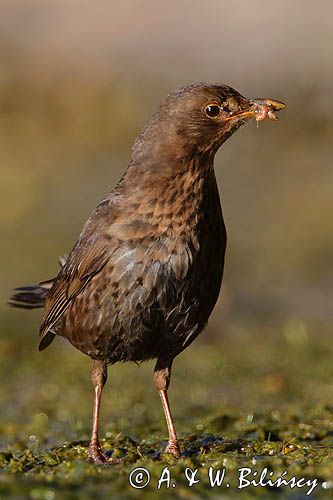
259	109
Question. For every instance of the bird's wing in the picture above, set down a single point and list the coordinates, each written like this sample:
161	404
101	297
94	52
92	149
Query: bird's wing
82	265
146	268
88	257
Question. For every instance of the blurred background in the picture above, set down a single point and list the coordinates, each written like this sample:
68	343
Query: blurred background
78	81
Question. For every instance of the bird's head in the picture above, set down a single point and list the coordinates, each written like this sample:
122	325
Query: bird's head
197	119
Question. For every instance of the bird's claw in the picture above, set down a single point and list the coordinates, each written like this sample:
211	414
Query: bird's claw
173	448
97	457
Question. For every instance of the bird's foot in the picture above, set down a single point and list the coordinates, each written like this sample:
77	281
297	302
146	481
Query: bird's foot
96	456
173	448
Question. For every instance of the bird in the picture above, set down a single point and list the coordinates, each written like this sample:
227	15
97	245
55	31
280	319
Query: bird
145	273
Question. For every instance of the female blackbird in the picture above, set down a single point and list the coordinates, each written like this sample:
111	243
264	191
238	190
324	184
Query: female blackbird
145	273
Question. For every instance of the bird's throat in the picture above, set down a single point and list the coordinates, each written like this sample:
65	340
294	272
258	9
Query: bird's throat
170	200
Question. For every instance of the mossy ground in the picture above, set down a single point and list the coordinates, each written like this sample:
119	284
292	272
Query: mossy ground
259	397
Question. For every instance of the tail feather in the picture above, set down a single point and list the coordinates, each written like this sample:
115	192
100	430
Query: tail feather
33	296
29	297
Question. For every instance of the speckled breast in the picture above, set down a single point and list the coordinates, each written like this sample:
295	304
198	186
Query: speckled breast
158	289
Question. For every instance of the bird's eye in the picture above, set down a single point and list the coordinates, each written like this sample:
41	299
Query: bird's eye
212	110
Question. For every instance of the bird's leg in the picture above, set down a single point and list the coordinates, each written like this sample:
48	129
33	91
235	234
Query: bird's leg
162	374
98	378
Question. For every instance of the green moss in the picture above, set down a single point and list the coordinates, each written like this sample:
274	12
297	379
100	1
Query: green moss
237	411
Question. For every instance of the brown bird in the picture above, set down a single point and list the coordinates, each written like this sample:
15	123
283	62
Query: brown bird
146	271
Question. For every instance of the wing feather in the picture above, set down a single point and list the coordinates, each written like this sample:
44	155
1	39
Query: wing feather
82	265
